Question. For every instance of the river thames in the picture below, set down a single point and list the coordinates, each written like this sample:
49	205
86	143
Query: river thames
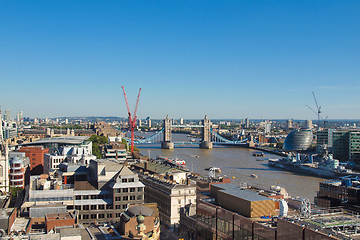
238	164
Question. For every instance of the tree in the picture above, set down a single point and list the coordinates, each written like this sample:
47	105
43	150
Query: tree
97	141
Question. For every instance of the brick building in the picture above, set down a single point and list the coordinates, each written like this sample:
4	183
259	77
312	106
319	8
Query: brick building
36	156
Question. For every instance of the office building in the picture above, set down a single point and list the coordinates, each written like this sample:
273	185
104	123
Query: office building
7	116
18	163
101	192
115	151
298	140
168	187
343	143
79	154
289	124
36	157
247	123
308	124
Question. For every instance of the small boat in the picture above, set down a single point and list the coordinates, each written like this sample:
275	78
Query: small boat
197	156
259	159
215	169
258	154
253	175
174	162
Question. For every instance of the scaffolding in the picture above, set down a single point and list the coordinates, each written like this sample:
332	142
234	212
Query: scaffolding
338	222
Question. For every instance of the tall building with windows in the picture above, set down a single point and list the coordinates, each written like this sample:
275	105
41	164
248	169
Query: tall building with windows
343	143
101	194
36	156
18	162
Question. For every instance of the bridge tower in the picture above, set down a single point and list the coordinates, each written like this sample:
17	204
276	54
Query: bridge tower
206	135
167	144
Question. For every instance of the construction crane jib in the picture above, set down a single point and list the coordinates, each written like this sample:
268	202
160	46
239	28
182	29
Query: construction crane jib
132	118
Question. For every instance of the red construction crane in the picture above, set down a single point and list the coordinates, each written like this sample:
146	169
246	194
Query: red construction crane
132	119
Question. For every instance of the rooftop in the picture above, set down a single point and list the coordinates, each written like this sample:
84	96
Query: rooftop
71	140
236	191
59	216
140	209
155	167
83	185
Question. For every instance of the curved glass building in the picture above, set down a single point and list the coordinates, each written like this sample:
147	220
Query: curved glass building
298	140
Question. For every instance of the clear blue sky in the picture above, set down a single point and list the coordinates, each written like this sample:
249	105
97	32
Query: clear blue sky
227	59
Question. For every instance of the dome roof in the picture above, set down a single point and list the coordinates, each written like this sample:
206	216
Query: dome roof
298	140
140	210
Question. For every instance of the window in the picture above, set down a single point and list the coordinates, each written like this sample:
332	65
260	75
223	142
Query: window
118	214
132	197
100	207
93	216
118	206
109	215
131	179
85	197
93	207
77	197
93	197
125	198
125	190
86	216
179	201
139	197
132	189
124	206
109	206
124	180
140	189
86	207
101	215
117	199
78	207
118	190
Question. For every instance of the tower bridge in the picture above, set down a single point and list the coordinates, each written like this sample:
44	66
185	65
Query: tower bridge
209	137
205	141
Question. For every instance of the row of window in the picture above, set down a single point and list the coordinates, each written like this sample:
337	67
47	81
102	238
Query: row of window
125	190
126	198
98	216
128	180
21	183
16	177
86	197
93	207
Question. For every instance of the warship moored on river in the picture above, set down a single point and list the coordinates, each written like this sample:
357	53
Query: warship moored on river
324	167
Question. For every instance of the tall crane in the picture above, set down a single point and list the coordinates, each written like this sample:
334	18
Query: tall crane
317	112
318	108
132	118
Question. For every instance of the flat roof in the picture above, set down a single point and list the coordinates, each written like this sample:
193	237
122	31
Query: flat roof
59	216
246	194
236	191
71	140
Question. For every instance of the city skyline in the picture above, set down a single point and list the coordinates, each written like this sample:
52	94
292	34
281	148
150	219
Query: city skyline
228	60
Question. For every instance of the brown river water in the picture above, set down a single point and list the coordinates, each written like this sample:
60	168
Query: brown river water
238	164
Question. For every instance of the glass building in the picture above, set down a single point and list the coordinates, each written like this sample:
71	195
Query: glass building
298	140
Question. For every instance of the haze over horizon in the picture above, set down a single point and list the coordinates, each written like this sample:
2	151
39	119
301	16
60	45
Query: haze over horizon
229	60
